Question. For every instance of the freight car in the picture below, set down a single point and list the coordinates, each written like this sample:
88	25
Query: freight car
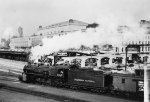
131	85
14	55
24	56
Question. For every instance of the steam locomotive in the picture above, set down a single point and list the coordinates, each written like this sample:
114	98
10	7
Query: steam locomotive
91	77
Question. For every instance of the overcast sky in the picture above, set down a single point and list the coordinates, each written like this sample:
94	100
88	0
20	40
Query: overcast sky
31	13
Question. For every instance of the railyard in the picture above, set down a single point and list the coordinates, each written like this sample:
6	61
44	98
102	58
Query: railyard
74	51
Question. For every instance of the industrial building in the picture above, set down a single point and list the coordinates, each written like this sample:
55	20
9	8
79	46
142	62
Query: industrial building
48	31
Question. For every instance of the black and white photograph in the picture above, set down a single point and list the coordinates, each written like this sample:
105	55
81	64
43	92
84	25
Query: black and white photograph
74	50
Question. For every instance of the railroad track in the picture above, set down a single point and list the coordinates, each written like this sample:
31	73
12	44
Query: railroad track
8	78
35	93
55	97
114	95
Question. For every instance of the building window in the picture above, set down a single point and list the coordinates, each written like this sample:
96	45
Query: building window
142	48
104	61
145	48
122	49
123	80
116	49
76	61
91	62
132	42
139	42
136	42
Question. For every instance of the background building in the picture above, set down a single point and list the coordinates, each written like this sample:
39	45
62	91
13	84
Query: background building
48	31
62	28
144	43
20	42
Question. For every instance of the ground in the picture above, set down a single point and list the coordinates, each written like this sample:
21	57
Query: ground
11	96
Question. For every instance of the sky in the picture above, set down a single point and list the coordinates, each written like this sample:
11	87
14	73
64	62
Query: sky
30	14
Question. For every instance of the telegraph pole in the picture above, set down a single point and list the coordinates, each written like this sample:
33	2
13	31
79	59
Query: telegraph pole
126	50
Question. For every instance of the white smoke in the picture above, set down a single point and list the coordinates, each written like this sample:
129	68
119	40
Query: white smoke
106	33
8	33
131	30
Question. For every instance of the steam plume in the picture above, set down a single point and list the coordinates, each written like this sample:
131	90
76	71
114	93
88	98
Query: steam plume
106	33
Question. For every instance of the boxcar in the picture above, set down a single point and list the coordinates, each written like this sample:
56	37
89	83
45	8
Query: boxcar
129	83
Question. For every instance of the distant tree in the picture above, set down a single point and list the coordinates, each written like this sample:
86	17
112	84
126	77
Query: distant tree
5	43
93	25
107	47
82	47
61	51
3	40
95	47
40	26
71	49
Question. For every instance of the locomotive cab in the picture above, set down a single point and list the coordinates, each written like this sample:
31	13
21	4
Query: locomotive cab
63	74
